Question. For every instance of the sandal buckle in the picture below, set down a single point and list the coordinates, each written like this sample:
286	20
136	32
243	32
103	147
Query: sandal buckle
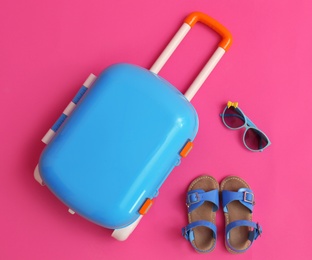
192	201
252	200
259	229
185	233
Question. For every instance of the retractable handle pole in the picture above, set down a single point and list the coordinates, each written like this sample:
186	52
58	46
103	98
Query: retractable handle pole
223	46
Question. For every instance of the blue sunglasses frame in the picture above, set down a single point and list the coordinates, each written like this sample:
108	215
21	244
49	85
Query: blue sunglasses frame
248	124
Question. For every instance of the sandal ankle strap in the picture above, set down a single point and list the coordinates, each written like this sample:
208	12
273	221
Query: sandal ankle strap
188	232
252	234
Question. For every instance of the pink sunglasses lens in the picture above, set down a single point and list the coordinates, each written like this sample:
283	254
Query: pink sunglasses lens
233	118
255	140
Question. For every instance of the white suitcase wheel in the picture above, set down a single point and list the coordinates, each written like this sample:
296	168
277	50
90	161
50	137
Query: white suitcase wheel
122	234
37	176
71	211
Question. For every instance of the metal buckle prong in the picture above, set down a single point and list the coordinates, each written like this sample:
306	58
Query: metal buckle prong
252	201
189	202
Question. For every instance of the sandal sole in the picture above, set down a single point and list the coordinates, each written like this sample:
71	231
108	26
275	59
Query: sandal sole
203	236
236	211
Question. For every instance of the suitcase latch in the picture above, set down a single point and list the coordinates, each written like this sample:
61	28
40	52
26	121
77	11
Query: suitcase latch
146	206
186	149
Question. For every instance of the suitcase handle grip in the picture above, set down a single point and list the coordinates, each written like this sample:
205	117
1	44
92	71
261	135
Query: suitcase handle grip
195	17
223	46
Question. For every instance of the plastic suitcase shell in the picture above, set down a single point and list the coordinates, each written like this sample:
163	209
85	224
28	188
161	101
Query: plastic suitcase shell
119	144
121	136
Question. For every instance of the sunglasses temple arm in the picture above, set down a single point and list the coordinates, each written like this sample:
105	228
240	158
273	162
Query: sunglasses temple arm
232	115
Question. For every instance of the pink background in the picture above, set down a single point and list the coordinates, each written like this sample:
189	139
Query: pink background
48	48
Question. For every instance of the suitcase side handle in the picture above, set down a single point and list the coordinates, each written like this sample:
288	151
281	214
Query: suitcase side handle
223	46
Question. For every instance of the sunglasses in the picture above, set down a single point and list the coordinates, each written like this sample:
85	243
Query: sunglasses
234	118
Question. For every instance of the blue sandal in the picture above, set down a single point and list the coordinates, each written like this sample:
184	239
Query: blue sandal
238	201
202	201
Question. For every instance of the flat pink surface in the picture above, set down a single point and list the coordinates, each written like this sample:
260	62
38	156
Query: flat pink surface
48	48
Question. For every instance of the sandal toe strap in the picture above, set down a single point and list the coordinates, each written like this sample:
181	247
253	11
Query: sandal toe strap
196	198
244	196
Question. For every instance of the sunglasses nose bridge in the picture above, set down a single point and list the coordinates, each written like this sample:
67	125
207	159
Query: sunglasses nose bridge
250	123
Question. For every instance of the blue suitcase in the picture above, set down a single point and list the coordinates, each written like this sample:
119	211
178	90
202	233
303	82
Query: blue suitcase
120	137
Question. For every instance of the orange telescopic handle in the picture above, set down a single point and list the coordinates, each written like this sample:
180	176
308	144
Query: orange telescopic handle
223	46
195	17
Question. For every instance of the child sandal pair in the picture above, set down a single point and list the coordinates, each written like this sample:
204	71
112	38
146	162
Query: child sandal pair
203	201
